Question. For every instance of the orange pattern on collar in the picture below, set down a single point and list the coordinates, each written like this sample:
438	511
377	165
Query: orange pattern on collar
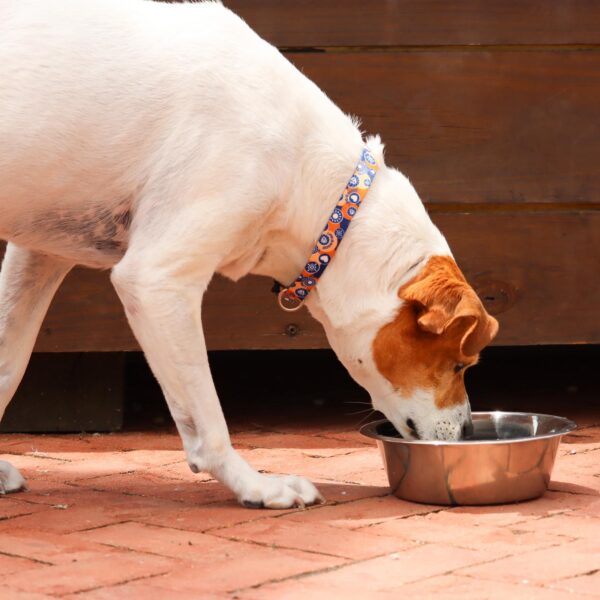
292	297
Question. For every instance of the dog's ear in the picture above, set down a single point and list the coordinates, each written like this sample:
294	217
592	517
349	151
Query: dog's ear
475	327
445	304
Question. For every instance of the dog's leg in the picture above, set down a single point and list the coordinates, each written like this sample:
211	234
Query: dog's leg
28	281
162	297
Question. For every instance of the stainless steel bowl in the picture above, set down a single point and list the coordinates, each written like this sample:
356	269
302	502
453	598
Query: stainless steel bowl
508	458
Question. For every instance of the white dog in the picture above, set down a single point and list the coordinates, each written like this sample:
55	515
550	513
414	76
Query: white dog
168	143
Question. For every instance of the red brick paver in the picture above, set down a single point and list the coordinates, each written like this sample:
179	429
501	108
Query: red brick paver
121	516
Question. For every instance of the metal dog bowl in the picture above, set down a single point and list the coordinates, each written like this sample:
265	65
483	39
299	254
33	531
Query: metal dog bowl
508	458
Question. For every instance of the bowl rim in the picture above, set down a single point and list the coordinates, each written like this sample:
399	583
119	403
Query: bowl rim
368	430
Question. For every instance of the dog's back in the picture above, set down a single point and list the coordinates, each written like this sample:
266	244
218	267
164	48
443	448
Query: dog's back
95	94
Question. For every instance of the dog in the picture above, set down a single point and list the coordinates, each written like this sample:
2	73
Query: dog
169	142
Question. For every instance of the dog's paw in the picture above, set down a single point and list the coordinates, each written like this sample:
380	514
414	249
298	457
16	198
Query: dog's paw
10	479
288	491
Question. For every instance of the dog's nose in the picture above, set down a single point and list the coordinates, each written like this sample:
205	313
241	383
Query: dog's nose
467	430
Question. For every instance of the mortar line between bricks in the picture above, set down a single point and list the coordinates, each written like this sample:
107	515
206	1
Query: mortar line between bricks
49	504
171	478
20	591
277	546
498	558
23	501
35	560
295	576
359	561
403	517
25	514
530	584
167	464
192	532
328	480
593	495
134	550
566	540
416	543
34	455
290	511
216	527
586	574
329	457
324	436
351	562
234	540
531	518
101	526
114	585
74	482
249	446
141	469
266	515
134	495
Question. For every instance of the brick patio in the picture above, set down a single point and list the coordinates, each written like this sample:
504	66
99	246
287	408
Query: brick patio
121	516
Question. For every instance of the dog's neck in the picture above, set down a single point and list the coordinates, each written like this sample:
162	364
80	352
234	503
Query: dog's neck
310	193
391	232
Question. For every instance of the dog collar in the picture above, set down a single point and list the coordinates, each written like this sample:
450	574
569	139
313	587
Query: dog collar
291	297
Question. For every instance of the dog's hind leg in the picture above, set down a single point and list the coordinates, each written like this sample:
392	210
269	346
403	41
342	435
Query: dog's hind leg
28	281
162	295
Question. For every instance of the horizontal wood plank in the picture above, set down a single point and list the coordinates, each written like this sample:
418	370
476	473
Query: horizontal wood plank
477	127
537	272
318	23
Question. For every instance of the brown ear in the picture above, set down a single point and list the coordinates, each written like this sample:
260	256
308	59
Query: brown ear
482	328
455	306
435	304
479	335
434	320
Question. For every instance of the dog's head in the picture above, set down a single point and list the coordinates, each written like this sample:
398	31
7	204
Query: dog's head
423	353
415	363
399	313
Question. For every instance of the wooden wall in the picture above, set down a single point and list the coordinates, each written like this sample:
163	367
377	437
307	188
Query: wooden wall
491	107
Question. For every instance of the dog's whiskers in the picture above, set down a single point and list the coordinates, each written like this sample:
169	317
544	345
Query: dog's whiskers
372	412
360	412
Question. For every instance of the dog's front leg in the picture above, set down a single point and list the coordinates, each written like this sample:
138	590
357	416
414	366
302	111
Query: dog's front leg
163	304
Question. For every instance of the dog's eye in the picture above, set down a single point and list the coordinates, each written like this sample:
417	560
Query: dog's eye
458	367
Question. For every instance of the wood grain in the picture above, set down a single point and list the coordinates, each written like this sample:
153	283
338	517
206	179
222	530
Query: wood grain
506	127
537	272
310	23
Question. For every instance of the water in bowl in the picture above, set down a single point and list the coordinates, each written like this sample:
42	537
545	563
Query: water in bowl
483	430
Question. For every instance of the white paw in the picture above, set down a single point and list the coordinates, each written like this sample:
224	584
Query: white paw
287	491
10	478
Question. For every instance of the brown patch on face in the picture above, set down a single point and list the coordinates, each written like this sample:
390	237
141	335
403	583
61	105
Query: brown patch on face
441	324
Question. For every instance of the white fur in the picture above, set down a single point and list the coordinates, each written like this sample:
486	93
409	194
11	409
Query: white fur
229	160
10	478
